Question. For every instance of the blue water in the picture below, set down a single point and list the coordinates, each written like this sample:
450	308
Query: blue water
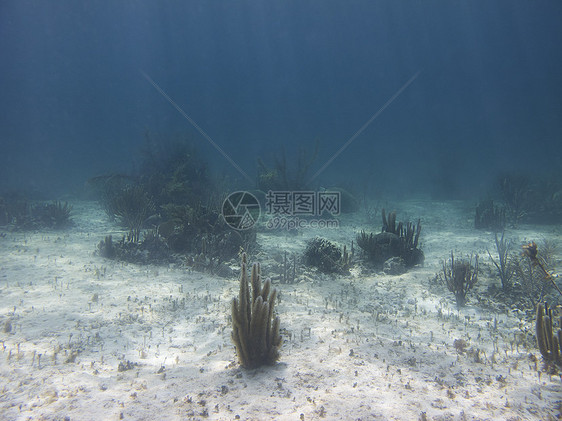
261	76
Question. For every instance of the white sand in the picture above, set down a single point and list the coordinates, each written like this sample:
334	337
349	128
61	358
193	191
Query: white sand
364	346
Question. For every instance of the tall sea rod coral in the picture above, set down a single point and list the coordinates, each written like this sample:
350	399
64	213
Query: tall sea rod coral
255	331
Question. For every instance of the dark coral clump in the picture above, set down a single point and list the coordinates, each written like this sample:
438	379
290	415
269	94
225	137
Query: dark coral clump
131	206
151	249
201	229
18	213
173	195
53	215
525	197
326	256
395	240
460	276
106	248
489	216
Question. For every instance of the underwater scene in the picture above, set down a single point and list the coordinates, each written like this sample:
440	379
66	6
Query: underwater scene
281	210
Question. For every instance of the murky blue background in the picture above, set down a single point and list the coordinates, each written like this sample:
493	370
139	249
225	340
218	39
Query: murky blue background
262	76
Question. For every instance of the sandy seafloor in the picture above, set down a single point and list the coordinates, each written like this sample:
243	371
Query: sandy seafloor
363	346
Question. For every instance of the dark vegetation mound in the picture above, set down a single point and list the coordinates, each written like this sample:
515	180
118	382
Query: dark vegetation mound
400	241
173	196
460	276
326	256
152	249
521	198
17	213
489	216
